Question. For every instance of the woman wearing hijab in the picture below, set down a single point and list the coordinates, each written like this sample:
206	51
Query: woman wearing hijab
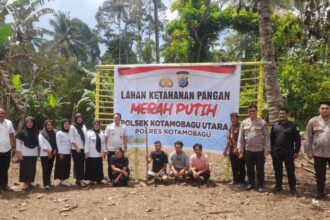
94	151
48	151
27	152
63	158
77	133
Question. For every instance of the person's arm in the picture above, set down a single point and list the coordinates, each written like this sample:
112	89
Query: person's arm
297	142
266	138
207	168
225	151
72	135
149	158
241	140
19	148
115	169
309	140
12	136
272	137
43	145
87	145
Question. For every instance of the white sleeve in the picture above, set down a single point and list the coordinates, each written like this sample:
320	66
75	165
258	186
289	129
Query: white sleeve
103	147
107	131
87	142
42	144
11	128
19	145
72	134
124	131
58	141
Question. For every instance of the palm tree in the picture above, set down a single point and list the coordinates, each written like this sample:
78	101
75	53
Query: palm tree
66	36
273	94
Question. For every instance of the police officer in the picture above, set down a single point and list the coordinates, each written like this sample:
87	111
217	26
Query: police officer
318	145
254	139
237	163
285	146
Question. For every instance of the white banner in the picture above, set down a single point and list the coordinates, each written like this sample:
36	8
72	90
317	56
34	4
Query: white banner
191	103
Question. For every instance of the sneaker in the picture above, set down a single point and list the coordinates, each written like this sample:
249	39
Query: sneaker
65	183
277	189
260	189
249	187
47	188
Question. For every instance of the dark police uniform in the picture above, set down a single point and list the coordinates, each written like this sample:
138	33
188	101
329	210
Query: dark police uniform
285	141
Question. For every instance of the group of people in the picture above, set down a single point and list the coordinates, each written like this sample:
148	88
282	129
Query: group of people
73	141
250	141
247	145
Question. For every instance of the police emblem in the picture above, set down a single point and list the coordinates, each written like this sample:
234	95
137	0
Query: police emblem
182	78
166	82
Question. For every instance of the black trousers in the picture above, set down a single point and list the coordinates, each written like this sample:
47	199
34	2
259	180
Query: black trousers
110	154
237	168
206	175
320	167
252	160
278	159
78	164
47	168
4	166
62	167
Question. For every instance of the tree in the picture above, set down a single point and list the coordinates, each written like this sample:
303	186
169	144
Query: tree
272	89
72	38
199	23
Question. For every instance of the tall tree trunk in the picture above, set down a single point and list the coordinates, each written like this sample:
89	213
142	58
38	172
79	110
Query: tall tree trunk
272	90
156	26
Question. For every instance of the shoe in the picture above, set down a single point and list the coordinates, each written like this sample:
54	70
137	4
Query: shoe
249	187
260	189
277	189
7	189
47	188
99	183
293	191
65	183
319	195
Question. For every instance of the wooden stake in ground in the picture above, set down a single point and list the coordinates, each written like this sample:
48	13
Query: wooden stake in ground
147	150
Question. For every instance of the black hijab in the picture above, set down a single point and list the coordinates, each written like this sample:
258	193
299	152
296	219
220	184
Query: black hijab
79	127
49	135
98	139
62	125
29	135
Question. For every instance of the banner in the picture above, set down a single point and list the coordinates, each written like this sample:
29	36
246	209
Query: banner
190	103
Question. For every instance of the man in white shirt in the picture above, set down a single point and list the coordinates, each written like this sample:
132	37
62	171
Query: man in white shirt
7	142
115	138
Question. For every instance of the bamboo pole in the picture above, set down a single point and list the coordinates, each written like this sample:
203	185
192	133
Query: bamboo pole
147	149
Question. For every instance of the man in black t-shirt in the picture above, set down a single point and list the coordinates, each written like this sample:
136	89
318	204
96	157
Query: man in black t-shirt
119	166
159	164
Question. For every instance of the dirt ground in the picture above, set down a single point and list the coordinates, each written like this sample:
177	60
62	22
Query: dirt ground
175	201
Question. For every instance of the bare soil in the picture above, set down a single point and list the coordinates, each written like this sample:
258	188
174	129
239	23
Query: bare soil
174	201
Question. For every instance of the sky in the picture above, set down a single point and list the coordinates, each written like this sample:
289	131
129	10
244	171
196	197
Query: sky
85	10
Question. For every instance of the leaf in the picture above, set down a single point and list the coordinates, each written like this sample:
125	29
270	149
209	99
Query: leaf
51	100
5	32
16	80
